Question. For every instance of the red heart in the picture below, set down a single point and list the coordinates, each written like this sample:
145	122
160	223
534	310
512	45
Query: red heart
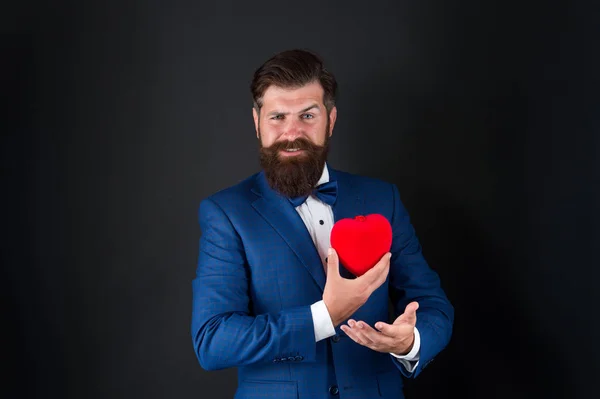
360	242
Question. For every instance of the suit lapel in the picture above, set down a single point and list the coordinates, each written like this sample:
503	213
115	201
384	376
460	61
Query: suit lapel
349	204
284	219
349	201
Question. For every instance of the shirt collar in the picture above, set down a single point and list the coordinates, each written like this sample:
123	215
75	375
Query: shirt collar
324	176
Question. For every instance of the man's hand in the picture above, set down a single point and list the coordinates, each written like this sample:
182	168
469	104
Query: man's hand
343	296
397	338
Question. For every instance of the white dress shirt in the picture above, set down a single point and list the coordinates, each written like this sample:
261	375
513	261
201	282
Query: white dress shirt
318	218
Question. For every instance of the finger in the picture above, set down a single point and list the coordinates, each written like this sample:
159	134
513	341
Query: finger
366	333
386	329
373	275
412	307
352	334
333	263
410	313
366	341
362	330
357	336
386	256
353	327
381	276
373	338
379	266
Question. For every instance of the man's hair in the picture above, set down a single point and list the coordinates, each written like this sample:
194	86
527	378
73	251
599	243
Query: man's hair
293	69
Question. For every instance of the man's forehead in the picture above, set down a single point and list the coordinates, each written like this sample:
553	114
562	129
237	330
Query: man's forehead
312	92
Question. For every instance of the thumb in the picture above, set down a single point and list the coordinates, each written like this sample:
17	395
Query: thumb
410	313
333	263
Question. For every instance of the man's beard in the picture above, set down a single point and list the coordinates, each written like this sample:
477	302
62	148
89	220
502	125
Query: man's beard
294	175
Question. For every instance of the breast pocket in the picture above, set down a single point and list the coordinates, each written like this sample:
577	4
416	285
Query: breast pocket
267	389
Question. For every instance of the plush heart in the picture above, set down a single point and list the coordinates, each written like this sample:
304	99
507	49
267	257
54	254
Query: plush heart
360	242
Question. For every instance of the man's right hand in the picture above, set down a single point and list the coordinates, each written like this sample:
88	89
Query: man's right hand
343	296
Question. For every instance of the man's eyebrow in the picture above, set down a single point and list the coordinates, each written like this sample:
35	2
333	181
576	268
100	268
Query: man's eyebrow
273	113
309	108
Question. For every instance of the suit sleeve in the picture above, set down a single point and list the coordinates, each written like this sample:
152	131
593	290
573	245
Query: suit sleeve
224	332
411	279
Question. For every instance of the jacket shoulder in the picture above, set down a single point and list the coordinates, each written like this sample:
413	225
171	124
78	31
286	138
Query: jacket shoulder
234	195
363	181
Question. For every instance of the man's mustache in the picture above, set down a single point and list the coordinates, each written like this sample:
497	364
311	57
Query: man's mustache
301	144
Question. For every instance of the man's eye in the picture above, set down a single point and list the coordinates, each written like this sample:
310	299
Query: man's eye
308	116
277	117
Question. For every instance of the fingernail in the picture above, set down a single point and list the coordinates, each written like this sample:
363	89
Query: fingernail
378	326
330	251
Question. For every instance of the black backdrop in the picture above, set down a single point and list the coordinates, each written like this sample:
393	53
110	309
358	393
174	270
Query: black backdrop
123	115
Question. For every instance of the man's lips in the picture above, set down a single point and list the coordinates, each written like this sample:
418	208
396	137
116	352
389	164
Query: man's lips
289	153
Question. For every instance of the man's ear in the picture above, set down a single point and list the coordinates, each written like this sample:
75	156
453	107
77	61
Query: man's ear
332	118
255	116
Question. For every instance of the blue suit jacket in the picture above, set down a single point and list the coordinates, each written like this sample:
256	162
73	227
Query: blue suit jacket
258	273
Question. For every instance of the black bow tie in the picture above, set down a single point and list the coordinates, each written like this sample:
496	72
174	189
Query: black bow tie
326	192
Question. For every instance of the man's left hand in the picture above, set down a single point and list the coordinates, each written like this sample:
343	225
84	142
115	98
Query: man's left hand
397	338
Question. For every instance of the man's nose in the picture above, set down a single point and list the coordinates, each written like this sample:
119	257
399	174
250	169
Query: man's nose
292	130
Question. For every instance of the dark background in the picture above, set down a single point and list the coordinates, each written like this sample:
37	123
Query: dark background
120	116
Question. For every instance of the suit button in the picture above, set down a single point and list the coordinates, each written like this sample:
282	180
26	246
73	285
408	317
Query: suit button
298	358
334	390
335	338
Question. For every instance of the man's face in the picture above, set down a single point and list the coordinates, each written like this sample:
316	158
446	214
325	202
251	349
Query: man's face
293	128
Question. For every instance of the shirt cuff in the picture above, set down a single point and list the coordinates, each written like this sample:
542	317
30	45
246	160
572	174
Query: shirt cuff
322	321
410	361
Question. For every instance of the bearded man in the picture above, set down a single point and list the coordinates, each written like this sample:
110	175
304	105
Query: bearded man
271	297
